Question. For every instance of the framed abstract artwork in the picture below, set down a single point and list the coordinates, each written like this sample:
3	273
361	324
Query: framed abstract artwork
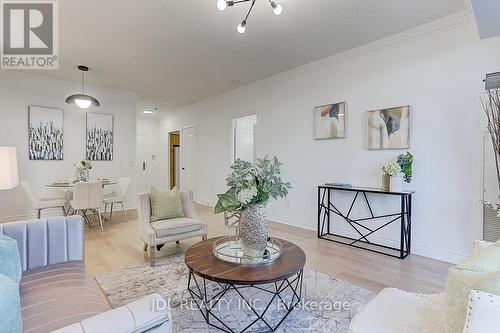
389	128
45	133
330	121
99	142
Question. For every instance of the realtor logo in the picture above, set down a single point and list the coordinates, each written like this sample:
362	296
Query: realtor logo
29	35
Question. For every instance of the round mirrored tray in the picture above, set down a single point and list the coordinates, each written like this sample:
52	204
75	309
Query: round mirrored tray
228	248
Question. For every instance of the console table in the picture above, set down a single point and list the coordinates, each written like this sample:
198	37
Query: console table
279	281
361	226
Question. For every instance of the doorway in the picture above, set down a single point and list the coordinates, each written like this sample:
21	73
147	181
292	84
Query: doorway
244	138
174	158
188	159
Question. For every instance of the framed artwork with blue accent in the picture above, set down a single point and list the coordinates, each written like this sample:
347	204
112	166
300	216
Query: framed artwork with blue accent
389	128
330	121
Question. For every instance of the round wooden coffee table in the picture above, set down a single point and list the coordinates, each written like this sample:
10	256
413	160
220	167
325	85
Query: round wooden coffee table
280	280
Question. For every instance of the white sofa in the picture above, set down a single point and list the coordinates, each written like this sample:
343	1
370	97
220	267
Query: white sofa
135	317
398	311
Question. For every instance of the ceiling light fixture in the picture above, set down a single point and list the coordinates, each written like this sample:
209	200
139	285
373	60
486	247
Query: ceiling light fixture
221	5
82	100
241	28
150	110
277	9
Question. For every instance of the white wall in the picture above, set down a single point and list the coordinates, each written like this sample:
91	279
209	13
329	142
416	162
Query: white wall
18	91
437	69
149	151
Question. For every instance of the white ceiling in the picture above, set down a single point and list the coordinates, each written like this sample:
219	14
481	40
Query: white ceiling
182	51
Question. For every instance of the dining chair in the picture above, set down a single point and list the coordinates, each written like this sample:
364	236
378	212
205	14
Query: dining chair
40	204
118	196
88	197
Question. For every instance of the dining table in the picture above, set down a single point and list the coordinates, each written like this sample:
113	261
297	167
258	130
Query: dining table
68	186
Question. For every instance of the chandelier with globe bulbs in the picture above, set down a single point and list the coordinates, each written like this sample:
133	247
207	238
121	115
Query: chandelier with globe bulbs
241	28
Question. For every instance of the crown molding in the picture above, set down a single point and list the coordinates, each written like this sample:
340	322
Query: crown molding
468	5
451	22
447	23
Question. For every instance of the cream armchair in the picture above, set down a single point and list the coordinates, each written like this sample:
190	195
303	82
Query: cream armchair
170	230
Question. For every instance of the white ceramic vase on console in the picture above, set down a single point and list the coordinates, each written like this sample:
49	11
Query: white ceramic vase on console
397	183
392	183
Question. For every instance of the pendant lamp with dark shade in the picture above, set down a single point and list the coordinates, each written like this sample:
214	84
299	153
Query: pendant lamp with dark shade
83	101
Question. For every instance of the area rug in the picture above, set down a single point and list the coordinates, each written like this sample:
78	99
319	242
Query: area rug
328	304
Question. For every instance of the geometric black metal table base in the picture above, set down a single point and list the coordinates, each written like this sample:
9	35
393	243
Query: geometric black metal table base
287	292
361	225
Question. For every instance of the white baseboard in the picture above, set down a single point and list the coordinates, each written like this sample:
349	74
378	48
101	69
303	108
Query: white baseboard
438	254
204	202
417	249
50	213
22	217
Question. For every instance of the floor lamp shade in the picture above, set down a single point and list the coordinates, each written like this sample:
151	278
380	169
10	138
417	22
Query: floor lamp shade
8	168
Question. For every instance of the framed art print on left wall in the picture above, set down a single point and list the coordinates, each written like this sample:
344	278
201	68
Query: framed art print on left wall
100	133
45	133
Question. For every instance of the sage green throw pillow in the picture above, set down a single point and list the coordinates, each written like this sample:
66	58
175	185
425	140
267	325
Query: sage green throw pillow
481	271
165	205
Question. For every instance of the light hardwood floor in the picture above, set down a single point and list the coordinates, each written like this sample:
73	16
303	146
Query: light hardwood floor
119	246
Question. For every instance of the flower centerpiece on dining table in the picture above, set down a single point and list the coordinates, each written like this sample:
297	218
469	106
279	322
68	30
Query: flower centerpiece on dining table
82	170
251	188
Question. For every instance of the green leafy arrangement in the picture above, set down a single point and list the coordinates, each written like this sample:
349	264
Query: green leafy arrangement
252	184
405	161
